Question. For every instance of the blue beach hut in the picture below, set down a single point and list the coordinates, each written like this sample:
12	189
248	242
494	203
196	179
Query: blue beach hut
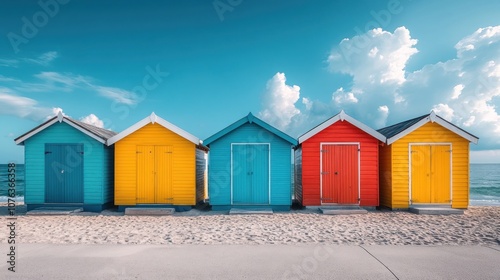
250	166
68	165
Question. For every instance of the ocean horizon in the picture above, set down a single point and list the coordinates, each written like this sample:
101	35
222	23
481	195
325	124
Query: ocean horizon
484	184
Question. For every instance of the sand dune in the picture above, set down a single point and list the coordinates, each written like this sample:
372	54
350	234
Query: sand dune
478	226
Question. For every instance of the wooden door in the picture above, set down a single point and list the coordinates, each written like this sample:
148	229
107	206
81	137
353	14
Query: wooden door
64	173
250	174
340	173
431	174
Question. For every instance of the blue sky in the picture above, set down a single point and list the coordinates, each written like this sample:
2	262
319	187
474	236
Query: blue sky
204	64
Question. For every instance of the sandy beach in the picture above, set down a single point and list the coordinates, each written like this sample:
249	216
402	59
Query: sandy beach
478	226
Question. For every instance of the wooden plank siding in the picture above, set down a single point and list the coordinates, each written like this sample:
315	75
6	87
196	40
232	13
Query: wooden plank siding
183	164
95	171
219	182
385	167
298	174
201	175
428	133
340	131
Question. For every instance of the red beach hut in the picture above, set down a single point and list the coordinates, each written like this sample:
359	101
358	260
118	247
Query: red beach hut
336	163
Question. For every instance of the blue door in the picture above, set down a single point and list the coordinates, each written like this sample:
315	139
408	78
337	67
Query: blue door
64	173
250	172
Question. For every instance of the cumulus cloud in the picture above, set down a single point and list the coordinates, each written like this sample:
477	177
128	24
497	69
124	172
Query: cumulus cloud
279	102
383	113
93	120
340	96
444	111
377	57
464	90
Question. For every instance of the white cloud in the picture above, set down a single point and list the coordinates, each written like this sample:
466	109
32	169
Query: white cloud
464	90
308	103
377	57
457	90
44	59
67	79
117	94
479	39
383	112
22	107
93	120
8	79
52	82
444	111
341	97
68	82
9	62
279	102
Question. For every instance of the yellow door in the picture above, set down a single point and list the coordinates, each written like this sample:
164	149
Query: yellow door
145	174
420	174
163	160
430	174
440	174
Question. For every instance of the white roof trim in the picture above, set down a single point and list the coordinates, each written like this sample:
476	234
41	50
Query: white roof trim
60	116
342	116
153	118
21	140
434	119
55	120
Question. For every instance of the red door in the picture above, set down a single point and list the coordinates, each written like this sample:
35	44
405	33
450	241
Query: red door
339	173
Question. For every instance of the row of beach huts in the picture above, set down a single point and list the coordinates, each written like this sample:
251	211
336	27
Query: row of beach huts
248	164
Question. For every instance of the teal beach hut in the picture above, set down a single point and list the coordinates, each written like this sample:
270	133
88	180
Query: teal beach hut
67	165
250	166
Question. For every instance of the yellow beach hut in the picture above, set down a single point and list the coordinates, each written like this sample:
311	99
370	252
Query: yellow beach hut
156	163
425	161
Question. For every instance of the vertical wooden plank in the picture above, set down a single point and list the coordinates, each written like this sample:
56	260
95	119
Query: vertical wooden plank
163	171
54	187
327	172
420	174
259	160
240	174
145	174
440	174
346	174
73	173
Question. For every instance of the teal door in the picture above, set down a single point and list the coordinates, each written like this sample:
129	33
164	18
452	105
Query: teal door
64	173
250	174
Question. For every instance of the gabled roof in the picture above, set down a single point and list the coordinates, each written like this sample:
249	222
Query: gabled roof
97	133
154	119
250	119
342	116
399	130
